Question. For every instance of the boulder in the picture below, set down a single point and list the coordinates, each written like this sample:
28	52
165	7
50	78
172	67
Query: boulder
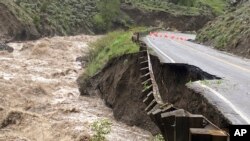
4	47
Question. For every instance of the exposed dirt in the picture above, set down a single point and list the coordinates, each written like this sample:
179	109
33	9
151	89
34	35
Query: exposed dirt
166	20
39	97
119	85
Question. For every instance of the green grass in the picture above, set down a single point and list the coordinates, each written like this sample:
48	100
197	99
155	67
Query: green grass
111	45
158	137
16	10
182	7
62	17
218	6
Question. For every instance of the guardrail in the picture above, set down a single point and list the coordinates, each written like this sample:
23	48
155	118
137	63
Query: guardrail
175	124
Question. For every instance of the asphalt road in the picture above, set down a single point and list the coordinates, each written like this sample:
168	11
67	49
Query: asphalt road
231	95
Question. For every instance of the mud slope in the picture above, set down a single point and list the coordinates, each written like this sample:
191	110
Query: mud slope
118	84
39	97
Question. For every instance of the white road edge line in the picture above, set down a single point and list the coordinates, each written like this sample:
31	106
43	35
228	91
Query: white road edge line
210	89
169	58
226	101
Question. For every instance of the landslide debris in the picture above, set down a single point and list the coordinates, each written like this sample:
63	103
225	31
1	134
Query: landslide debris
229	32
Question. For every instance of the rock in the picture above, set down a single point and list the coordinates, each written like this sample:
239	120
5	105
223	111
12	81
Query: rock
13	117
4	47
84	137
82	60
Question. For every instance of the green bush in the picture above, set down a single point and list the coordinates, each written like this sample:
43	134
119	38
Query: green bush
101	128
158	137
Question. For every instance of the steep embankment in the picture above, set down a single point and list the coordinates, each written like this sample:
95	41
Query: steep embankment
29	19
166	20
230	32
15	23
118	83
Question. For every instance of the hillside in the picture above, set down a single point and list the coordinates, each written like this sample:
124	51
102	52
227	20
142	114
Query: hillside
182	7
47	17
30	19
229	32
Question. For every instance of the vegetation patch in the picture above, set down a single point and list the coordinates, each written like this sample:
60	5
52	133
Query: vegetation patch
158	137
101	128
112	45
69	17
182	7
230	32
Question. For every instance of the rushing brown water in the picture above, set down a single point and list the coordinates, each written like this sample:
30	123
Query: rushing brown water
39	98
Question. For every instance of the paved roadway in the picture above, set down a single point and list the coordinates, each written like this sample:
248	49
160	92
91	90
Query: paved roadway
231	94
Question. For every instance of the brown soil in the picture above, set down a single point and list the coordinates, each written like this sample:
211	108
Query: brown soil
119	85
166	20
12	28
39	97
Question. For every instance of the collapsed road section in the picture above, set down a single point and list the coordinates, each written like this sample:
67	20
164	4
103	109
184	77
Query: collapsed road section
175	124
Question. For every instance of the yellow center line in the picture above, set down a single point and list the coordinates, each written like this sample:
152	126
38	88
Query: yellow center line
221	60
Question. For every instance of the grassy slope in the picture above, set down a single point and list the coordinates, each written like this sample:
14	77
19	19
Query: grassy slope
76	16
65	17
112	45
61	17
228	30
182	7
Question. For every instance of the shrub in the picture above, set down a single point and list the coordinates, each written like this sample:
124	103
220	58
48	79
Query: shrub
101	128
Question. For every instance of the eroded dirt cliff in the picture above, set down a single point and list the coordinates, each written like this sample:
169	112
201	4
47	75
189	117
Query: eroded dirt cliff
118	83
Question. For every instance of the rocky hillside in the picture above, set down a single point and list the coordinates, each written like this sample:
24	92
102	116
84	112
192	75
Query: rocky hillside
230	32
30	19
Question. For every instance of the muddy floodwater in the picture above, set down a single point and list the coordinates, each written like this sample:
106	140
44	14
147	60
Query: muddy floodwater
39	98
